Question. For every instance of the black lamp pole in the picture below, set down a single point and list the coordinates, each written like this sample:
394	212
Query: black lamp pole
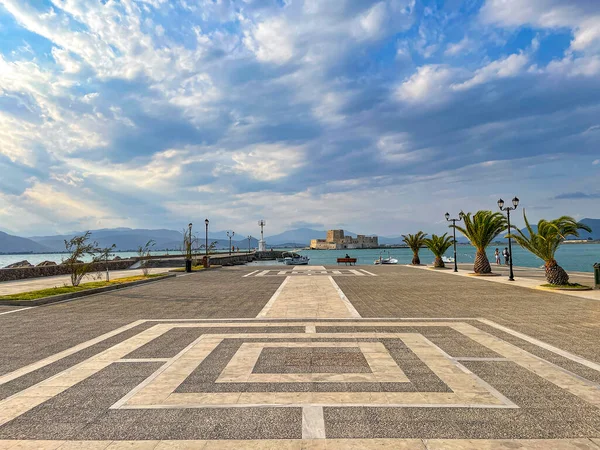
188	265
206	237
447	215
249	237
230	236
508	209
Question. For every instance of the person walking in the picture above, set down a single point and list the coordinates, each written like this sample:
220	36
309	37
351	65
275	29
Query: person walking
506	255
497	255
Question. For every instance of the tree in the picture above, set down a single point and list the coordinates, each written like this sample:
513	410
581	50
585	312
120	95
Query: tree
144	255
211	247
415	242
481	229
544	242
104	254
438	245
78	248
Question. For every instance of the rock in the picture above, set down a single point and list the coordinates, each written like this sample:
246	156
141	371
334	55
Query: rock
19	265
117	258
46	263
78	261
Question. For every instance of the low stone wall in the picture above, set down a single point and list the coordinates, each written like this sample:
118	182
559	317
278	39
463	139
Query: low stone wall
48	271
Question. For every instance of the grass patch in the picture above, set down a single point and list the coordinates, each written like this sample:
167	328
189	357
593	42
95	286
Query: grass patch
567	287
34	295
182	269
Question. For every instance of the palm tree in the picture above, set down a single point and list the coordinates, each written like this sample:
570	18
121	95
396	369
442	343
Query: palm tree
481	229
438	246
415	242
544	242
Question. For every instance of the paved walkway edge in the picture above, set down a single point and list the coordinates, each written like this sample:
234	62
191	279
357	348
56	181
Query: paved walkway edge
73	295
289	444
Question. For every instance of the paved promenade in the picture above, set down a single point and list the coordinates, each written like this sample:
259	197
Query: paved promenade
305	357
34	284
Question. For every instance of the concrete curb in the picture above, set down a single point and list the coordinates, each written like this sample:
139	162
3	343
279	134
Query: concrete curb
73	295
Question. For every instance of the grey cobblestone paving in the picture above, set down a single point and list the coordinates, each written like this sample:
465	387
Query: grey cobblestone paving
569	323
528	405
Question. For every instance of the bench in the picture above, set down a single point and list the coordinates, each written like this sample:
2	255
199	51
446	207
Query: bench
347	260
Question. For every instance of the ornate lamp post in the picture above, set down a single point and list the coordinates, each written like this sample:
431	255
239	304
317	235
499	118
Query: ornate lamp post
447	215
230	236
249	237
206	237
508	209
188	261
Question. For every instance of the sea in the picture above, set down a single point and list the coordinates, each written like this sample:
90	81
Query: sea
573	257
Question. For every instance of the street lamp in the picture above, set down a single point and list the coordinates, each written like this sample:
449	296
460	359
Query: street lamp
206	237
508	209
230	236
448	219
249	237
188	262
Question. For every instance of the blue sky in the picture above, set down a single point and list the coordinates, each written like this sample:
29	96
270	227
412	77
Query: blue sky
375	116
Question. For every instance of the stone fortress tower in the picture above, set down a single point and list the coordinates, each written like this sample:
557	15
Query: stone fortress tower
336	240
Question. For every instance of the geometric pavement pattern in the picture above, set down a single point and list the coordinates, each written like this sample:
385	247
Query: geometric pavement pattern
390	382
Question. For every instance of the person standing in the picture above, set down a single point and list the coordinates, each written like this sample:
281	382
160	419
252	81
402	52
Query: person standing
506	255
497	255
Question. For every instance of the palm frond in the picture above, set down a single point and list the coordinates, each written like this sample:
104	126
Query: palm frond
414	241
482	227
438	245
544	242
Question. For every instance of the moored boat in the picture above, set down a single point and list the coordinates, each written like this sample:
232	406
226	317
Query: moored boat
294	259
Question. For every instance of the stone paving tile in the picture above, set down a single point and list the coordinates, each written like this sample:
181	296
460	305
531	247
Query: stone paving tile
209	423
311	360
203	378
32	378
70	411
451	341
569	323
46	330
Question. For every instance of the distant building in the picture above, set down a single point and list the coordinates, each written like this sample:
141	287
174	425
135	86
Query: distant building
336	240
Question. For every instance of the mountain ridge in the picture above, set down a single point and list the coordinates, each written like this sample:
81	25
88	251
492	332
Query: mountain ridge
165	239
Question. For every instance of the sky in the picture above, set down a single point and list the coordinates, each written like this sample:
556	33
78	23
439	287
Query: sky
373	116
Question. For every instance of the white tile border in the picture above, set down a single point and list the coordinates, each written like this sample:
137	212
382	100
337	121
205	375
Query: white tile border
353	312
263	312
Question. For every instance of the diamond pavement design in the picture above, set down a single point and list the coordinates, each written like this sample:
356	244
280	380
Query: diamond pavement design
326	375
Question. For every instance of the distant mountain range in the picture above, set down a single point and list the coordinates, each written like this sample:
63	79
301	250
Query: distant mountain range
15	244
130	239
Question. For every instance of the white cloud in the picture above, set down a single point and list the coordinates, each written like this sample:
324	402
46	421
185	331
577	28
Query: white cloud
268	162
271	41
596	162
582	16
508	67
463	46
429	84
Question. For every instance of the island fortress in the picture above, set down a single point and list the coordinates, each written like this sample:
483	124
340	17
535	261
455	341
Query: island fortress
336	240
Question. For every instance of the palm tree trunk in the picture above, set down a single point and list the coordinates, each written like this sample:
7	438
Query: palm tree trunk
482	265
438	262
555	274
416	261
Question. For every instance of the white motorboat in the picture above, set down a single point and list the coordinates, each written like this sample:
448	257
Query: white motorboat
388	260
448	260
294	259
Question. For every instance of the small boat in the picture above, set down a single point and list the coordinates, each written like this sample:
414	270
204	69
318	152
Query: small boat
448	259
294	259
388	260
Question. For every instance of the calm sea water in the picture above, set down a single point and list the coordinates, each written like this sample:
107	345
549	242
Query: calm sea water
575	257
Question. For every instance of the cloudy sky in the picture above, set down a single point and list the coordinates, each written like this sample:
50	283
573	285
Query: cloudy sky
375	116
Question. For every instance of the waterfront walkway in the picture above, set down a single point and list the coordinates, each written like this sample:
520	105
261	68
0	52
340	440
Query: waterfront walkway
304	357
35	284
